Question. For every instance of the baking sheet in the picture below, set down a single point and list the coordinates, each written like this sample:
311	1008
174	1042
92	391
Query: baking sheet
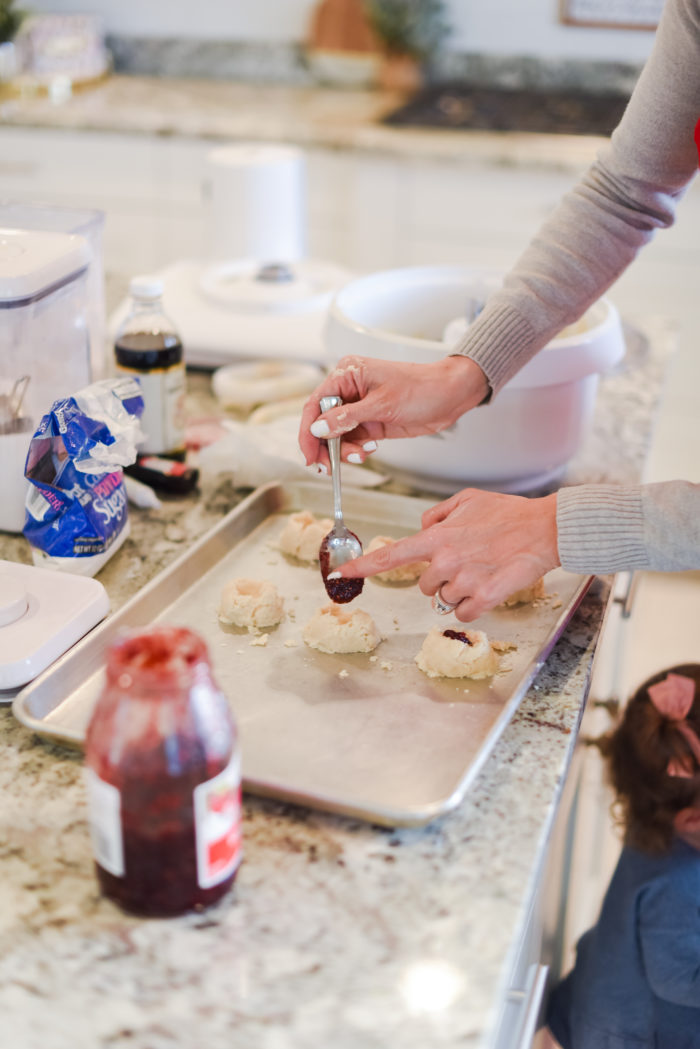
379	741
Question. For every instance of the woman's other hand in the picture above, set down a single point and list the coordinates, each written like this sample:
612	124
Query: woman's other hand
388	399
482	547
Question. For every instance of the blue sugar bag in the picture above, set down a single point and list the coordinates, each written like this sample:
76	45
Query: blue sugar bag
77	505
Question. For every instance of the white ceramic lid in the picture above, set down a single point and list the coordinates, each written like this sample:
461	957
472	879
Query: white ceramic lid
32	261
246	286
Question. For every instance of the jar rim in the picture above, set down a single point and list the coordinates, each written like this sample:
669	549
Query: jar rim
157	655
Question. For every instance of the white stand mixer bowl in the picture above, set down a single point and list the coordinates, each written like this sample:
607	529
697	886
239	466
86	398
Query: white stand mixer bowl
532	428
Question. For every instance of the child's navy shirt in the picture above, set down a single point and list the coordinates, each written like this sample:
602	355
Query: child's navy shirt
636	982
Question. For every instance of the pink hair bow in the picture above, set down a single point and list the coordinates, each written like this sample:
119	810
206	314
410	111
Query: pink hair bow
673	698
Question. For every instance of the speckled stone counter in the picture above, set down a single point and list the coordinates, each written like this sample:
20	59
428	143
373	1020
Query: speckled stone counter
337	932
307	116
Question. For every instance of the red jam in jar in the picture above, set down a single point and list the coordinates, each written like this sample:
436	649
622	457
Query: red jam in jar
163	777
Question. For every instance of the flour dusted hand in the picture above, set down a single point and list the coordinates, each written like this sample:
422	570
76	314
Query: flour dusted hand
482	547
388	399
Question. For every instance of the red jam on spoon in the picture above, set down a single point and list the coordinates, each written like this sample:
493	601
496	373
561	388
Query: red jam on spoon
340	591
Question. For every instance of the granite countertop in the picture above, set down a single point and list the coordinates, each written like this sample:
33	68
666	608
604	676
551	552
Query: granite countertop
337	932
309	116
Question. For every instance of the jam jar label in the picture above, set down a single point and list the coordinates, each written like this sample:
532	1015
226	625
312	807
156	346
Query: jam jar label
104	813
217	817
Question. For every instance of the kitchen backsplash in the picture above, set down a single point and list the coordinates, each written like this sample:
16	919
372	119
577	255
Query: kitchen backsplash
268	62
287	63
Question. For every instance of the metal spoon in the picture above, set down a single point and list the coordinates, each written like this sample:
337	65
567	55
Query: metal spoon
340	545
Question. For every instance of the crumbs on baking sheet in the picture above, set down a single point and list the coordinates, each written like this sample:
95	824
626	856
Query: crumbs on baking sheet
553	600
291	643
503	646
259	641
386	664
343	673
373	659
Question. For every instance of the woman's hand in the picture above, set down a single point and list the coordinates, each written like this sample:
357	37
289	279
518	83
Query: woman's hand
482	547
388	399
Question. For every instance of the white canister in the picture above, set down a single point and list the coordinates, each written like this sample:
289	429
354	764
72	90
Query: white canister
256	201
13	455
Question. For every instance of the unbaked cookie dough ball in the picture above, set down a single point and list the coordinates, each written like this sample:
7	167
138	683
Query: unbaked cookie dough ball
457	653
251	603
336	628
401	574
303	534
527	595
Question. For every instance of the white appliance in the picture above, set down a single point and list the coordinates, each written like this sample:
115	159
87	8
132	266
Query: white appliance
257	294
527	435
42	613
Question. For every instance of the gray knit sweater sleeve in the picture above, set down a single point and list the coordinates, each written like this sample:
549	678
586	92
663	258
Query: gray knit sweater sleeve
596	231
598	228
612	528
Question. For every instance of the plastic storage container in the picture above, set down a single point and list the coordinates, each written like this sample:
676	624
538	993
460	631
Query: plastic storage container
43	335
163	776
87	223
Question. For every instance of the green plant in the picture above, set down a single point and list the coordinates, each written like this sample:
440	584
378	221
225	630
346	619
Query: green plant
409	27
10	19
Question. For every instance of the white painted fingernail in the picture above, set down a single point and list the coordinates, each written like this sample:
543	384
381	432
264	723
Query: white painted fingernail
370	446
334	575
355	457
319	428
317	468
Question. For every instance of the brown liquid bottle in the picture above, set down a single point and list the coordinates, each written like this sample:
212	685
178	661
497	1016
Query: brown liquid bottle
148	346
163	777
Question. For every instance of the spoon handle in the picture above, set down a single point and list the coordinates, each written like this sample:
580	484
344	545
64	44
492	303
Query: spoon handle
325	404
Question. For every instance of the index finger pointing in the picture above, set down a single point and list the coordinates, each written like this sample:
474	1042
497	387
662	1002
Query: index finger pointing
309	444
418	547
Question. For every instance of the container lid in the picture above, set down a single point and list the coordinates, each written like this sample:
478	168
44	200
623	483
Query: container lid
33	263
42	613
146	287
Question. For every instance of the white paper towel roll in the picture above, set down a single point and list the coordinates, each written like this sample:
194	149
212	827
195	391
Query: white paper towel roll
256	198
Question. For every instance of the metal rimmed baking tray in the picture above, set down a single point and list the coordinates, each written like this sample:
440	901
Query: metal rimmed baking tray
365	737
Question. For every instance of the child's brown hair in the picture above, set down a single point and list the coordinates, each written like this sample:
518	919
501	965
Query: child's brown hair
653	759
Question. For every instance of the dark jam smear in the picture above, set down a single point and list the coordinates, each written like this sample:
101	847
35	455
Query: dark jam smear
340	591
457	635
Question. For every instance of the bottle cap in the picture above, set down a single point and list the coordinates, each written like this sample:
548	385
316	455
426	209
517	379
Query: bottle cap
146	287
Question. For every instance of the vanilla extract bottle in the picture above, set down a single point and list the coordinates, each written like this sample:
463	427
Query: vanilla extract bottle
148	346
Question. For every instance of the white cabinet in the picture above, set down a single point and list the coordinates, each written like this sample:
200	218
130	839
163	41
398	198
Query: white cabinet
365	211
539	957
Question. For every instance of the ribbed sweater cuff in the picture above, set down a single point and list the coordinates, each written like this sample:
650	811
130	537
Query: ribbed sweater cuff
601	528
500	341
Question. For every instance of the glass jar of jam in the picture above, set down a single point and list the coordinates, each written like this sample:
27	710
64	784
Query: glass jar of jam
163	776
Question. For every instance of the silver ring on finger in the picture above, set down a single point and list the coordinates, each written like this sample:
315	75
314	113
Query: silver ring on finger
441	606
